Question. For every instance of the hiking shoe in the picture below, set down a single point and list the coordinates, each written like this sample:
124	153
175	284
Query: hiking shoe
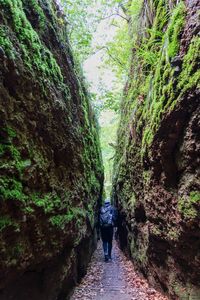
106	258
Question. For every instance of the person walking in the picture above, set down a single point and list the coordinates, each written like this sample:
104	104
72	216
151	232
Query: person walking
107	222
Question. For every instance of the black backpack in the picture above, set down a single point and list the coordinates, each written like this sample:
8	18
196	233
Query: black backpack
106	216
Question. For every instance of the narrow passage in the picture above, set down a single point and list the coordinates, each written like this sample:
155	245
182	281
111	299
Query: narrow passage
114	280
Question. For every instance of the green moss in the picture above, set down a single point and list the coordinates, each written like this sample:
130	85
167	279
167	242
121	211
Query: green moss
5	42
146	177
34	54
195	196
17	250
5	222
190	75
94	183
48	202
11	132
73	213
156	231
28	210
161	18
61	220
90	213
11	156
131	202
138	254
163	94
11	189
33	4
187	205
174	29
173	234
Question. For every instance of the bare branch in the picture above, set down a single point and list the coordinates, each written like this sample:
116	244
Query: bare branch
114	15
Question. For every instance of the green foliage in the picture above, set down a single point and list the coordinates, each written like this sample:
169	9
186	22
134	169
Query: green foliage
148	50
84	18
109	124
82	23
119	51
108	99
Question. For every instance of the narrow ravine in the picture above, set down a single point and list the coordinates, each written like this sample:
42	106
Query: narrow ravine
116	279
99	99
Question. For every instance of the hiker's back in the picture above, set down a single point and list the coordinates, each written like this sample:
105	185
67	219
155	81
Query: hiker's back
106	216
107	222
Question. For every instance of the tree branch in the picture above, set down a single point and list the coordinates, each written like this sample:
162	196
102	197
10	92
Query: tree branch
114	14
115	59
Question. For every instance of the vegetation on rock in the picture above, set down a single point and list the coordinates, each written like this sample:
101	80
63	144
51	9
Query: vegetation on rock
156	185
51	172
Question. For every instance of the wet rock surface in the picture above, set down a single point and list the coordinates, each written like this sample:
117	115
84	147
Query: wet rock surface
116	279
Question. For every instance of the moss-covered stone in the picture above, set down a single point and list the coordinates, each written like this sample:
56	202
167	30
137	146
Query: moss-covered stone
51	171
156	183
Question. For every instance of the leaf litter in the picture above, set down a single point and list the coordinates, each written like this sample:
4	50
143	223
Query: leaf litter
117	279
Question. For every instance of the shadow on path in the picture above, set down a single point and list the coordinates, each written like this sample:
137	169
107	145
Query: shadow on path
116	279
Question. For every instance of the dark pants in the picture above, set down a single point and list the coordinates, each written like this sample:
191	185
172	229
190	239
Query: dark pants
107	237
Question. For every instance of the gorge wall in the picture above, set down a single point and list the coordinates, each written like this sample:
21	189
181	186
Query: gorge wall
51	171
156	172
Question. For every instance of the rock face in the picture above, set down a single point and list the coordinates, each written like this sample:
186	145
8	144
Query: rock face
51	172
156	181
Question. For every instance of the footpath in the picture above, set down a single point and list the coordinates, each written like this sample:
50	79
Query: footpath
114	280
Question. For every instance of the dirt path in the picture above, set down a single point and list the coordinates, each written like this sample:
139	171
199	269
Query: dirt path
113	280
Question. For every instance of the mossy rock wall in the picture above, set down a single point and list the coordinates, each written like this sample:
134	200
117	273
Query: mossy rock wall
156	176
51	170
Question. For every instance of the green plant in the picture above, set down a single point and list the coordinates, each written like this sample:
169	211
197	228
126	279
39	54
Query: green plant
11	189
175	28
186	204
5	222
73	213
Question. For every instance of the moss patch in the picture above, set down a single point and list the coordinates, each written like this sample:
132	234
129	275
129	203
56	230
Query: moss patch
188	205
34	54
